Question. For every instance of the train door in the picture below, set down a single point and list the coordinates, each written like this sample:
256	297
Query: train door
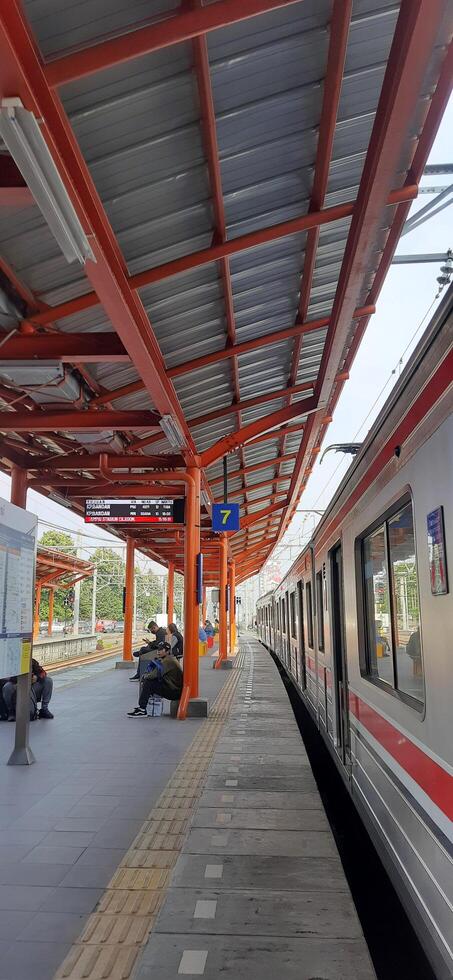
340	675
288	632
301	652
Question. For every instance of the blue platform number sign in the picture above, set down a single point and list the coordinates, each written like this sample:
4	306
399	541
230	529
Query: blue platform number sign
225	517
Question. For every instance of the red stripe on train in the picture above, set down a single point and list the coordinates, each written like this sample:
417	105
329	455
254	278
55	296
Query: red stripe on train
430	776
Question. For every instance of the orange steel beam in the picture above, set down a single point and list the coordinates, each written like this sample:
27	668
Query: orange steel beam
277	434
233	408
266	463
338	40
129	600
413	43
74	421
66	348
412	47
230	442
260	514
22	74
208	124
171	591
216	252
171	30
90	461
261	484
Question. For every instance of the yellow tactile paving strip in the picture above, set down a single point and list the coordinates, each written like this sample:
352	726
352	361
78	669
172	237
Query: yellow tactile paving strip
114	934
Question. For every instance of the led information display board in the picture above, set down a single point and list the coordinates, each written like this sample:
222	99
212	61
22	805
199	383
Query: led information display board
146	510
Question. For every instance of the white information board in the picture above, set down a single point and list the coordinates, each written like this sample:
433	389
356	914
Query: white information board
17	578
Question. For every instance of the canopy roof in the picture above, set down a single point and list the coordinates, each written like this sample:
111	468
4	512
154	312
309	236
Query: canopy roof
59	570
242	172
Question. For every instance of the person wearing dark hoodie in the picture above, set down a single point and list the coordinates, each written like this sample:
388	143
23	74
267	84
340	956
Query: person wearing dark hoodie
165	678
40	691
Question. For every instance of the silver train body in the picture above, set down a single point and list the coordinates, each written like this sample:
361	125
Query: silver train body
363	622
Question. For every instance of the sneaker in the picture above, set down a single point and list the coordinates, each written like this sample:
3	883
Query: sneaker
137	713
135	677
11	717
45	713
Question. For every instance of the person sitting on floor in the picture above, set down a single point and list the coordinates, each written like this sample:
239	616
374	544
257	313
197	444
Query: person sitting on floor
175	639
208	628
149	645
164	679
40	691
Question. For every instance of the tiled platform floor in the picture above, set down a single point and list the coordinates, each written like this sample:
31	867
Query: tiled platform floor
258	891
66	822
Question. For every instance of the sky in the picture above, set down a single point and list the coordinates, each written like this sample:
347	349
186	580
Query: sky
407	295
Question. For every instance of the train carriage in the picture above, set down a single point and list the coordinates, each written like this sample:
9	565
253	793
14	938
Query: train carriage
363	623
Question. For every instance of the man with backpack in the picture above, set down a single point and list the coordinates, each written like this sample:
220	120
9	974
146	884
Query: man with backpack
164	678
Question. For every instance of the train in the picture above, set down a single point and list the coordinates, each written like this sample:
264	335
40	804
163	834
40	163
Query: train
363	624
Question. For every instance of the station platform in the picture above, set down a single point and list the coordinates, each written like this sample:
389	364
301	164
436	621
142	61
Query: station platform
153	848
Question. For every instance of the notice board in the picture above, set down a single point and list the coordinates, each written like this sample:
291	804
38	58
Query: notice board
17	586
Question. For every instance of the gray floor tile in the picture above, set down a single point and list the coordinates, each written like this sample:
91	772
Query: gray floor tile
54	855
227	817
53	927
242	958
63	899
22	873
11	924
13	853
117	833
277	873
82	877
101	857
261	801
260	913
62	838
20	962
23	897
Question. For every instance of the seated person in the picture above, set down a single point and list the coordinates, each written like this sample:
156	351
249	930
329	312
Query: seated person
164	679
202	635
41	691
3	708
175	639
150	645
208	628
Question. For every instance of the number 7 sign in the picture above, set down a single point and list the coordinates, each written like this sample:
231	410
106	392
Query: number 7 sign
225	517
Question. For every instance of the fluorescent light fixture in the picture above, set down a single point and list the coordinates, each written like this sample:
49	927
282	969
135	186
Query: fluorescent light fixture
23	138
171	430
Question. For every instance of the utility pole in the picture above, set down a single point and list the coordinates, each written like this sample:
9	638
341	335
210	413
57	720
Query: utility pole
93	601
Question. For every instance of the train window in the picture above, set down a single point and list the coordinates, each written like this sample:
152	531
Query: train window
292	607
282	606
309	615
391	605
320	610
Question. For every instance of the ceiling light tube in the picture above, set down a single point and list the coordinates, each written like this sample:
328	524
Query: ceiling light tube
23	138
173	433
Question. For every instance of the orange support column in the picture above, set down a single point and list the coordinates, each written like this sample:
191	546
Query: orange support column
129	601
50	616
191	609
36	611
171	591
232	608
223	627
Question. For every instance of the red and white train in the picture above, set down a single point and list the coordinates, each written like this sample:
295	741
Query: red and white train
363	623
